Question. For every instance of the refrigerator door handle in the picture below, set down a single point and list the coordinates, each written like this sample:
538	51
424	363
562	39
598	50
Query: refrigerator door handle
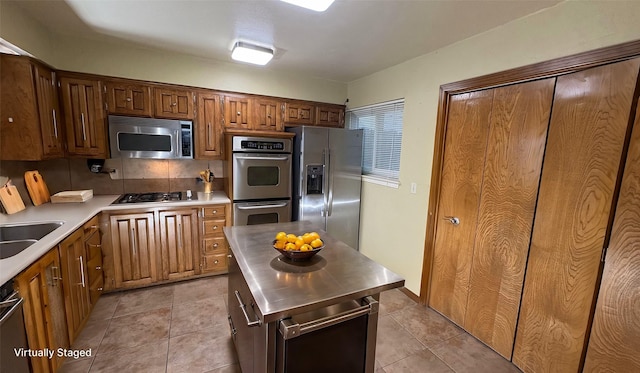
330	182
326	159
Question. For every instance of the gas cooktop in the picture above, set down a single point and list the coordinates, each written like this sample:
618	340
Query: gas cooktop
155	197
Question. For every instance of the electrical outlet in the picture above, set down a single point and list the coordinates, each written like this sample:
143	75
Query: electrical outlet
414	188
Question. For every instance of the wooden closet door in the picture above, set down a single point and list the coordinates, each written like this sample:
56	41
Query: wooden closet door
584	149
518	132
615	335
464	156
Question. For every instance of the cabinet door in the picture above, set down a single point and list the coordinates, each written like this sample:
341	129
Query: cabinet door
76	287
267	115
209	127
84	117
237	112
329	116
584	151
298	113
179	243
615	335
93	252
48	108
128	99
20	125
173	103
43	308
134	249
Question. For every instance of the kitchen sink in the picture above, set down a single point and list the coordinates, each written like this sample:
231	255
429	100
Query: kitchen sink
14	238
35	231
11	248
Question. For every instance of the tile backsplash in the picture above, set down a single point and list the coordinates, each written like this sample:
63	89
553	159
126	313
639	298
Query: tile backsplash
129	176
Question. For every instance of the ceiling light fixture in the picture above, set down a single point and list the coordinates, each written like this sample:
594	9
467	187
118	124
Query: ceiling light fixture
317	5
250	53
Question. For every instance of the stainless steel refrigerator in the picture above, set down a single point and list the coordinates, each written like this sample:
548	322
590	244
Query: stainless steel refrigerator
327	169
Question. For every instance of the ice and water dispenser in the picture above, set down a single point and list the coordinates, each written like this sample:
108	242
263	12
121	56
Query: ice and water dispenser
315	174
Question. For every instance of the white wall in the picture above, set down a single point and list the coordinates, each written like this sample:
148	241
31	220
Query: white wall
394	220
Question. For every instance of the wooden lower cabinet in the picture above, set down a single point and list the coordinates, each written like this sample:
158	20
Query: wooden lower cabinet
133	248
214	245
179	247
93	251
75	284
44	309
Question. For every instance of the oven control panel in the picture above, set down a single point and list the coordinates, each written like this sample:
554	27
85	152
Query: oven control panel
261	144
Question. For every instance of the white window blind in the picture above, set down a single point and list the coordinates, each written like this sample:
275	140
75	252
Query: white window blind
382	125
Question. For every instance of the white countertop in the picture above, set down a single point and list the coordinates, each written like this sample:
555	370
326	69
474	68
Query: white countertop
74	215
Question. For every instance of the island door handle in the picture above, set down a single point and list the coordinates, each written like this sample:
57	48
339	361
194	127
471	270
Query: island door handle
452	219
244	311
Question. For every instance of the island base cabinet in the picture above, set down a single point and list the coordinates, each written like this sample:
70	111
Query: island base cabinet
346	331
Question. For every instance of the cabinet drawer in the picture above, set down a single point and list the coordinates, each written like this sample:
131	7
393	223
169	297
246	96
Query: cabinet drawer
213	227
214	263
91	226
214	212
215	245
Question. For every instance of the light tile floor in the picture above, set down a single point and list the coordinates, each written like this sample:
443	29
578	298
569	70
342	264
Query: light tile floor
183	327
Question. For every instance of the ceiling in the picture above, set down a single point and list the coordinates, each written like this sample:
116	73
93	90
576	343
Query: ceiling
352	39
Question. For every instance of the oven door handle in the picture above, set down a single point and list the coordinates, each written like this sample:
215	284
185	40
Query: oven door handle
291	329
17	303
257	207
264	158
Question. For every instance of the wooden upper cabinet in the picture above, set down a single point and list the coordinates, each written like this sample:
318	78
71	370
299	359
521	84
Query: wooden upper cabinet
267	115
128	99
84	117
299	113
237	112
29	110
173	103
329	116
208	127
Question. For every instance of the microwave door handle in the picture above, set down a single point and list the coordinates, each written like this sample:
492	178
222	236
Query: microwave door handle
257	207
250	158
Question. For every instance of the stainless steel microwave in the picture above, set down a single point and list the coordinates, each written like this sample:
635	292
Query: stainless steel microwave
132	137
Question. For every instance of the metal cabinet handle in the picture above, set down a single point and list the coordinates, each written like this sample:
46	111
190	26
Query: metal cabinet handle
82	271
452	219
99	289
214	212
84	130
55	123
215	245
98	268
239	113
216	261
128	99
244	311
55	274
133	240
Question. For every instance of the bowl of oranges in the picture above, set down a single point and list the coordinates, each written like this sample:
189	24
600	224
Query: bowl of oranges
298	248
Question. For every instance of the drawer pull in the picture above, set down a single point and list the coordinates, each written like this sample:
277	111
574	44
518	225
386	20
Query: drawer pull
214	212
99	289
215	245
215	227
216	261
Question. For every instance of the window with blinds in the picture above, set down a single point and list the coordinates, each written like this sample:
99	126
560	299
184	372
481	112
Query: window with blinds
382	125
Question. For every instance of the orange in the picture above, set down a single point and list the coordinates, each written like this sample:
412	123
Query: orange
281	236
306	247
315	235
290	247
292	237
279	244
316	243
307	238
299	242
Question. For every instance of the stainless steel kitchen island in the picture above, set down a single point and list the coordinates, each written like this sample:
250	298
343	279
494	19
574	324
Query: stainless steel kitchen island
315	316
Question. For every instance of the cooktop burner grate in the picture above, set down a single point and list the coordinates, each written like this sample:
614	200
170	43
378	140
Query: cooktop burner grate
154	197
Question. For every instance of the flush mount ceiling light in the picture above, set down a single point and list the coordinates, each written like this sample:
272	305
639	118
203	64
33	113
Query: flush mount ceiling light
250	53
317	5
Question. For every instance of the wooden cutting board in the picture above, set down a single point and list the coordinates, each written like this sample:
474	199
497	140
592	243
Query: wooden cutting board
37	188
11	199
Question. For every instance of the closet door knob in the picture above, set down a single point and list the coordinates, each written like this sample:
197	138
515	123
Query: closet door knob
452	219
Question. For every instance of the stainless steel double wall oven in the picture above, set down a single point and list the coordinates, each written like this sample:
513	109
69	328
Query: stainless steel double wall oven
261	180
